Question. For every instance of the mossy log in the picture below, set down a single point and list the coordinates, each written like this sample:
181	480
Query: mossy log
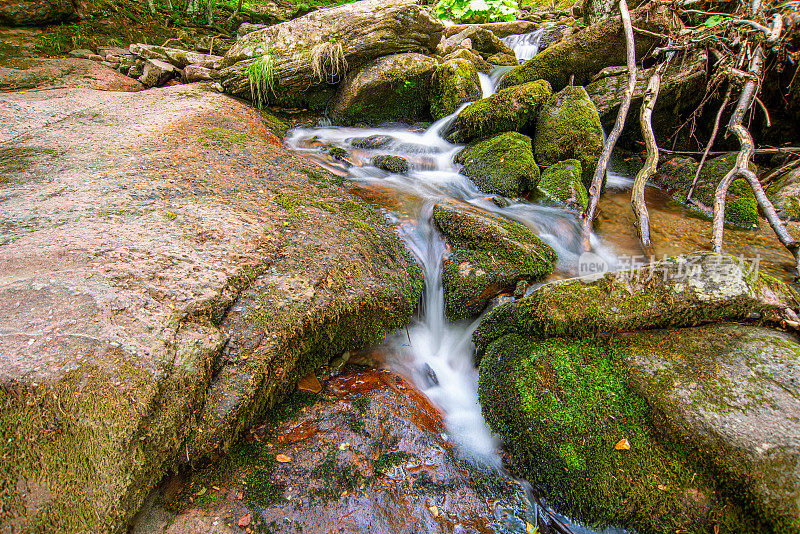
321	47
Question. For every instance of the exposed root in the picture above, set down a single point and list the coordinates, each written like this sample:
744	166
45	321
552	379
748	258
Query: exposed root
328	62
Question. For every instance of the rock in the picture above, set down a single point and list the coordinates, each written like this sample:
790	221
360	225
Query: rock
512	109
500	29
685	290
596	10
785	194
677	173
472	57
490	256
568	127
246	27
357	449
35	12
64	72
142	233
481	40
682	87
455	82
177	57
588	51
502	59
210	44
156	73
310	51
391	88
82	53
502	164
655	430
309	384
371	142
106	51
136	69
195	73
393	164
561	183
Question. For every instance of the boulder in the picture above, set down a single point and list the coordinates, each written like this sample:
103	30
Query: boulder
568	127
323	46
685	290
586	52
677	173
481	40
64	72
196	73
391	88
503	59
156	73
35	12
561	183
654	430
502	164
144	233
490	255
785	194
472	57
246	27
393	164
500	29
512	109
682	87
83	53
596	10
455	82
177	57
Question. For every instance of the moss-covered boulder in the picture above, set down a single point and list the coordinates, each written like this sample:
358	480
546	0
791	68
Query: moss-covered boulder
568	127
513	109
654	430
785	194
472	57
501	165
490	256
455	82
562	183
479	39
389	163
503	59
391	88
676	174
682	291
588	51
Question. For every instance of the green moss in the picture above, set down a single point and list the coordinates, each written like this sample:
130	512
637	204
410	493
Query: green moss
16	160
226	137
336	477
502	164
388	460
568	127
393	164
513	109
455	82
561	406
561	183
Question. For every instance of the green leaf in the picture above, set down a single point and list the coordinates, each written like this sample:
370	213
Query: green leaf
714	20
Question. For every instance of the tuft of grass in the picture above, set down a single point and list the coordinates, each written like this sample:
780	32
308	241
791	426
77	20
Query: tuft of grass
328	62
261	75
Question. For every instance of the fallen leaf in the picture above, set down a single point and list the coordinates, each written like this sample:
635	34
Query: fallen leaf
202	491
245	520
530	529
343	446
434	510
662	488
622	445
309	384
282	458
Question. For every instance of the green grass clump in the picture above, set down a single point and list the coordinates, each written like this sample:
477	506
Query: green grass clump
261	75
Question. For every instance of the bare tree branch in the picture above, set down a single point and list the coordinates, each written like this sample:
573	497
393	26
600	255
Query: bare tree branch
710	142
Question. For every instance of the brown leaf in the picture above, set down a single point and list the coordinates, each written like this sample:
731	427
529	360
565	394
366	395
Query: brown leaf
245	520
309	384
282	458
622	445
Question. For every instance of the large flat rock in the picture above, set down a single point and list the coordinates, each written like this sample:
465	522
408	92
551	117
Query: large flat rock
167	270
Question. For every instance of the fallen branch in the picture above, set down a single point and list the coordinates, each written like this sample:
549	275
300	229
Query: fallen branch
608	147
710	141
638	203
741	170
769	177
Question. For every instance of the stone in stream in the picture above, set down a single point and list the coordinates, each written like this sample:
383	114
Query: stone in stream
305	54
371	142
472	57
502	164
455	82
490	255
500	29
137	245
391	88
785	194
393	164
567	127
175	56
561	183
481	40
677	173
588	51
694	429
512	109
367	455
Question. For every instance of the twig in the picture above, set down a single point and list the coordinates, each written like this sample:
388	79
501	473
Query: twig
608	147
651	163
764	109
710	141
769	177
651	34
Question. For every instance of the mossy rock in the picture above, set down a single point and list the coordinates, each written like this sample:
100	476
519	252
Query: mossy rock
561	183
503	59
472	57
513	109
682	291
677	174
502	164
568	127
454	83
393	164
563	407
491	255
785	194
391	88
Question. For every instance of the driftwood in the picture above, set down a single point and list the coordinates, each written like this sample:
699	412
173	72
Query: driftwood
608	147
301	53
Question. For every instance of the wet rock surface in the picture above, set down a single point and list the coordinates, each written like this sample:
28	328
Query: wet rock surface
561	183
502	164
135	247
455	82
368	453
